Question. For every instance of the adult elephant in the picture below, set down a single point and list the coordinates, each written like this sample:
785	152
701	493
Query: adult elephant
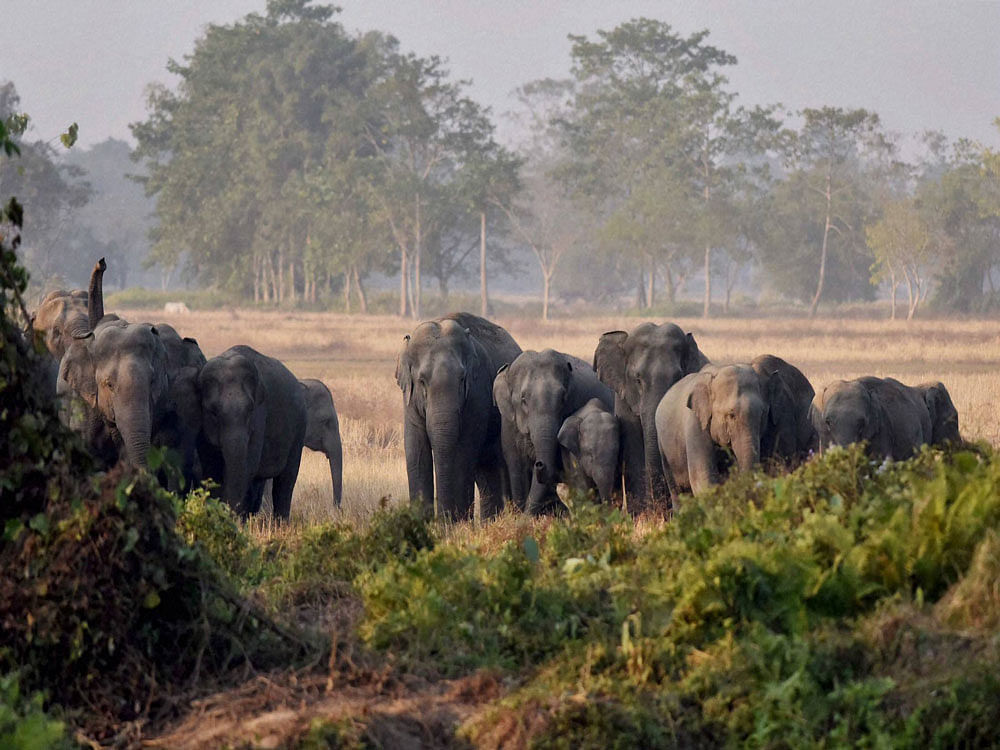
253	427
640	367
120	371
61	316
891	417
451	427
706	416
323	431
535	395
789	435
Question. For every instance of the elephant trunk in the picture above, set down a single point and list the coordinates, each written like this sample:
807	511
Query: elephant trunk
605	481
449	469
546	468
135	426
656	486
95	295
235	475
747	452
334	452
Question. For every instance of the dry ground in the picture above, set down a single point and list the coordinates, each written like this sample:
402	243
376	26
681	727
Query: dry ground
354	355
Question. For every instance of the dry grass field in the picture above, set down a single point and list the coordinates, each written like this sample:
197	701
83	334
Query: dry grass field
354	355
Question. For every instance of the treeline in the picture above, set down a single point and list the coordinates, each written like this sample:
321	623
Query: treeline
295	161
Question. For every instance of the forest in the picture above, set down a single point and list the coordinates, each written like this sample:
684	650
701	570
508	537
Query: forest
296	164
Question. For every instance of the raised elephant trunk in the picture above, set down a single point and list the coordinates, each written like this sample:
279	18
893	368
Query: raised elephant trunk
95	294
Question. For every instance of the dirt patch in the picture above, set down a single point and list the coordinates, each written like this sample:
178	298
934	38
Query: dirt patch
279	709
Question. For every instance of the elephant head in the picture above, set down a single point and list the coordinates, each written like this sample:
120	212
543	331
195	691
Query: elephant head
789	434
848	412
234	416
533	394
943	414
440	370
61	316
120	370
732	404
323	431
640	367
590	436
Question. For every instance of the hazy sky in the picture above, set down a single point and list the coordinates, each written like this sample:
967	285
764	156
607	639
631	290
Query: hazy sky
918	64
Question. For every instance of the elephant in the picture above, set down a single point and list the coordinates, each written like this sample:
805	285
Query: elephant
942	412
640	367
120	371
893	418
59	317
535	394
323	431
253	428
706	415
790	434
451	427
590	443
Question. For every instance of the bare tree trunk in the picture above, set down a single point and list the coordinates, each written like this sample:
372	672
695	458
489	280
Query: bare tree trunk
911	307
291	281
256	279
651	285
640	291
484	299
822	256
707	308
362	297
546	283
347	292
893	286
418	251
668	280
404	276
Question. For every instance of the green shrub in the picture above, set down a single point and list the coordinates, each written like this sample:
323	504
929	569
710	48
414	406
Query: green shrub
24	725
206	522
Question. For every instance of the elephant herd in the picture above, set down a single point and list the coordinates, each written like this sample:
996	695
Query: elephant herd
240	418
650	419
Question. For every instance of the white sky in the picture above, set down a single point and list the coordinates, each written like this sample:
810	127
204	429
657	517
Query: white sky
920	65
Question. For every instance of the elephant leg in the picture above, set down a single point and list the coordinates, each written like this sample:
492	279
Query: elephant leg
284	484
490	479
255	496
633	458
419	463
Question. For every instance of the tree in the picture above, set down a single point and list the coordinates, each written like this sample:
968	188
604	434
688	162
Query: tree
903	246
49	191
827	159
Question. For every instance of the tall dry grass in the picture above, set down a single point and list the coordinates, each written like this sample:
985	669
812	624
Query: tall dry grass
355	356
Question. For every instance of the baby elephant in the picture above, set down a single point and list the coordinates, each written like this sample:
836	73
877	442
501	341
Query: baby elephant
323	430
589	440
893	418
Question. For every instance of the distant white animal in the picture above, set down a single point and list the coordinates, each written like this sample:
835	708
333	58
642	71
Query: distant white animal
177	308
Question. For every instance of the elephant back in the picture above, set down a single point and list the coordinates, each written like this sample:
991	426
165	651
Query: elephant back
499	345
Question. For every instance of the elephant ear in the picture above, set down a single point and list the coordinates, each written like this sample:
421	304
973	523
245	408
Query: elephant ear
569	434
700	402
609	360
942	411
404	374
77	368
693	359
780	402
502	394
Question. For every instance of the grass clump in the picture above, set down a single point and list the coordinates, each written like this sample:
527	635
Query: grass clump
24	723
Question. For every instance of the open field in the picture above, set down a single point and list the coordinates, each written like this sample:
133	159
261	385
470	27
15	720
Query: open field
355	355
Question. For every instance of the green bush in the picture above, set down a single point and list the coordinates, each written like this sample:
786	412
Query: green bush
24	725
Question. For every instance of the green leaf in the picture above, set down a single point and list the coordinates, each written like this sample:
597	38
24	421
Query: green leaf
40	523
69	137
152	600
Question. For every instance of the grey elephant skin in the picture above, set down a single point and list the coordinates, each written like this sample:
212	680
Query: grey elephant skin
789	436
590	443
942	412
323	431
891	417
451	427
253	428
640	367
535	395
705	417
